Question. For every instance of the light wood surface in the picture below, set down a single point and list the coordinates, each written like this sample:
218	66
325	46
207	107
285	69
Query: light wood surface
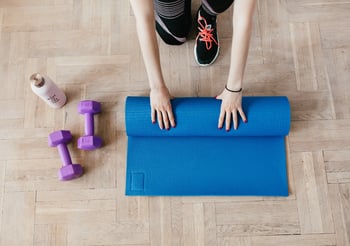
299	48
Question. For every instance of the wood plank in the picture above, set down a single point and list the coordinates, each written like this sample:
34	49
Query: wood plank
312	194
35	18
340	212
318	11
51	235
75	212
160	217
15	230
335	34
337	166
310	70
1	20
338	66
288	240
257	218
273	27
319	135
16	113
2	184
22	3
107	233
188	225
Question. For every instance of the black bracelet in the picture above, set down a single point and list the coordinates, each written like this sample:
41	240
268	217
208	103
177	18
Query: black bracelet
233	90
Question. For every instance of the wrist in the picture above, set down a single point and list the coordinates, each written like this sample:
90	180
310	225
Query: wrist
234	85
233	90
160	85
158	88
156	80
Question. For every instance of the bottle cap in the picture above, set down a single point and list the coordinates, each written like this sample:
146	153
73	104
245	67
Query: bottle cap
37	80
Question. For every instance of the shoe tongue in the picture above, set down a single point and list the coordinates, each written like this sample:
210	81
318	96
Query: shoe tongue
208	18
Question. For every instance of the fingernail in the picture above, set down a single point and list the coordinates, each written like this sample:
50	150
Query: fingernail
215	97
220	127
245	121
227	130
168	129
153	122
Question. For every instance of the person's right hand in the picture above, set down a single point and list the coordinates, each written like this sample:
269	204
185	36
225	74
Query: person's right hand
161	109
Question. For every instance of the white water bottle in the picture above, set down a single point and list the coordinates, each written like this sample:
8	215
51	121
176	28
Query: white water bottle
46	89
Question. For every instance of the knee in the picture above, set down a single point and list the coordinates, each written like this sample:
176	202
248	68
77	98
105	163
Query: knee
169	38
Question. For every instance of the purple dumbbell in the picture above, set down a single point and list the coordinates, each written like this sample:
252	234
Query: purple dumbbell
60	139
89	141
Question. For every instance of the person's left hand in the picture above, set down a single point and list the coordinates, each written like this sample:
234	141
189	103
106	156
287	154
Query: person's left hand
231	106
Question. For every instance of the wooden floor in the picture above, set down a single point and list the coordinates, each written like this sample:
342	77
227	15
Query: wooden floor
299	48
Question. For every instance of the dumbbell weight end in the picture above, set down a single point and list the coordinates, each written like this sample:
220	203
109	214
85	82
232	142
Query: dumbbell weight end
89	142
70	172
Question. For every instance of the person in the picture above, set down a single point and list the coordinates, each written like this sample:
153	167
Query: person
171	19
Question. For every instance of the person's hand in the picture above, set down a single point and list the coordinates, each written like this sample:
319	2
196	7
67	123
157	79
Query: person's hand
161	110
231	106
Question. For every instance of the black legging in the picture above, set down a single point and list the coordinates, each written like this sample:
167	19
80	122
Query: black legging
173	17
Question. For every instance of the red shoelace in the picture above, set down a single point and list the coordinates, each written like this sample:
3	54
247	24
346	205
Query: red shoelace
205	33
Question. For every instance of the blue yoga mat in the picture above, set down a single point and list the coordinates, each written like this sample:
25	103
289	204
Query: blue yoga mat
198	159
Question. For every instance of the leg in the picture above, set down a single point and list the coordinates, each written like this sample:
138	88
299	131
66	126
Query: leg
215	7
173	20
206	49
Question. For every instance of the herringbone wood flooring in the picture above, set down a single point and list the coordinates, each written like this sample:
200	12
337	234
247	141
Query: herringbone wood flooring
299	48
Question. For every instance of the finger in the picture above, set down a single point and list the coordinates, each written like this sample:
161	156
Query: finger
165	120
241	113
221	119
171	118
153	115
160	119
218	97
235	120
228	121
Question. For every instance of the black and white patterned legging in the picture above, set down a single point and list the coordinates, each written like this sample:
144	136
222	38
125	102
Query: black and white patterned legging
173	17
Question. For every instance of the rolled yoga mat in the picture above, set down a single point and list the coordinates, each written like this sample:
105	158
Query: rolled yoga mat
197	159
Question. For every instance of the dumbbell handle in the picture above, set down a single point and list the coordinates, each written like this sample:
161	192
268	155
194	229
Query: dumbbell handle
89	124
64	154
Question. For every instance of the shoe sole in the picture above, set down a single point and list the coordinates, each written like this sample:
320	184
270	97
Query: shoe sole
204	65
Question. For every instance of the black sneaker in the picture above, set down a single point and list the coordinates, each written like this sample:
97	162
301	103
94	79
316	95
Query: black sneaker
206	49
